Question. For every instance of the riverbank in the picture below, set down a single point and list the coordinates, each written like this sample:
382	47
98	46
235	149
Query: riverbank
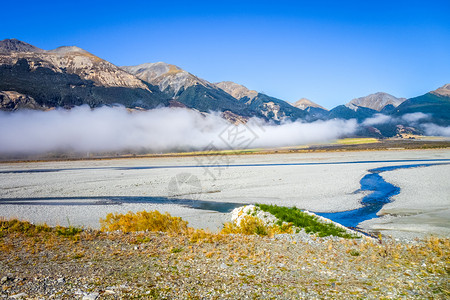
79	193
344	145
96	265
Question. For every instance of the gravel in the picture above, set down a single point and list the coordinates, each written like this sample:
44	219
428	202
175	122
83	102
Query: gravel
123	266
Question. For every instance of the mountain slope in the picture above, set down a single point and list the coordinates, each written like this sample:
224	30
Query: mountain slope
375	101
443	91
262	105
435	103
187	88
236	90
344	112
315	111
10	100
69	76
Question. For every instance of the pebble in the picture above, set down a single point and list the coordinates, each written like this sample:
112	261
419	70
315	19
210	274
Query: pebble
223	266
241	267
91	296
19	296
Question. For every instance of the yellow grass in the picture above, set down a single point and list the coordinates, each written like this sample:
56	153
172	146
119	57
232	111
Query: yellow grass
357	141
143	221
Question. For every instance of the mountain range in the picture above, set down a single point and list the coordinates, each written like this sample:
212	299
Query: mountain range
68	76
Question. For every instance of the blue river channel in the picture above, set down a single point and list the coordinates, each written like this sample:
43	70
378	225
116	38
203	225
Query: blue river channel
382	193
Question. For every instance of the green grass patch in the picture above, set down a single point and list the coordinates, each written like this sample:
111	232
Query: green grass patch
354	252
300	219
176	250
68	231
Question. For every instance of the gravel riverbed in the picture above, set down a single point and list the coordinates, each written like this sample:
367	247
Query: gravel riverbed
146	265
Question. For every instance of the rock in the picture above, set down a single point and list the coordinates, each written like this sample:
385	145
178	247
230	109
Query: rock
124	287
61	280
408	273
10	100
91	296
19	296
223	266
4	279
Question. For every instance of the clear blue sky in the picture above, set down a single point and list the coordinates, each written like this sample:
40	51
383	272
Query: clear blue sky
327	51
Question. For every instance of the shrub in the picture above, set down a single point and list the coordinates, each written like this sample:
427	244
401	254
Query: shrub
143	221
248	225
17	226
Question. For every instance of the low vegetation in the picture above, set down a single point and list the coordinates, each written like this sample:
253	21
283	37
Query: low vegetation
39	261
249	225
290	220
300	219
143	221
29	229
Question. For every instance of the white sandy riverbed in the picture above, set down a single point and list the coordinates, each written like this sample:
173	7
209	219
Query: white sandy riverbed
422	207
323	182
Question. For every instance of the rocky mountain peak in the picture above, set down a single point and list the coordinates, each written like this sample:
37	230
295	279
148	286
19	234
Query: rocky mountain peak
151	71
69	49
306	103
236	90
375	101
14	45
169	78
443	91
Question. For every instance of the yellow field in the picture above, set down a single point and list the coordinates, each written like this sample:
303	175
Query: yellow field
356	141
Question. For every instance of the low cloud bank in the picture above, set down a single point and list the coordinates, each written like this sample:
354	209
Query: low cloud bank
377	119
409	119
435	130
82	129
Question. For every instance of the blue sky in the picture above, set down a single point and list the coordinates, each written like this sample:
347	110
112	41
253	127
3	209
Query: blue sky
327	51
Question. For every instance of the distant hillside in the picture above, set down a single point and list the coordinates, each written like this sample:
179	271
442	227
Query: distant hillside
435	103
70	76
315	111
262	105
186	88
344	112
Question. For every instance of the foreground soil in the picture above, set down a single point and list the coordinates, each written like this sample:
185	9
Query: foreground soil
97	265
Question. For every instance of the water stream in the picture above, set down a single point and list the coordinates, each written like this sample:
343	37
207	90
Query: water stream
382	192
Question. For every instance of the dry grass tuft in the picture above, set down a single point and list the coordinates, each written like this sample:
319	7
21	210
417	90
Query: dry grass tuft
253	225
143	221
